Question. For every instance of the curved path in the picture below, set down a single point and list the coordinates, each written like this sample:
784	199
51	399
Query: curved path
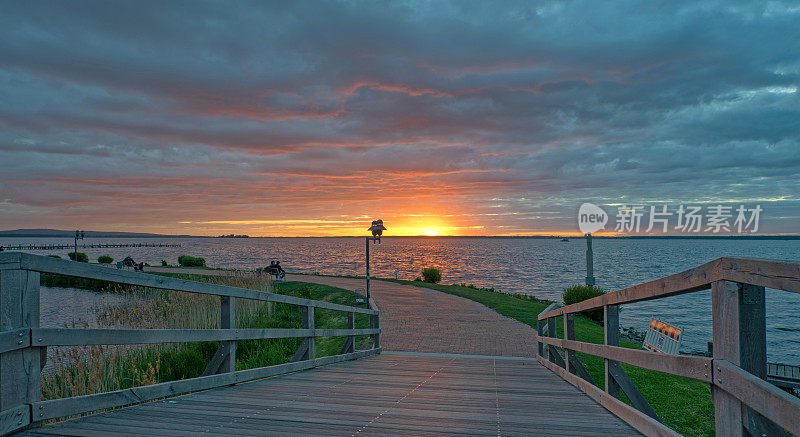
418	319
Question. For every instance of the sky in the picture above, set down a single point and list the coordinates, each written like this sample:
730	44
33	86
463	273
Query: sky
441	118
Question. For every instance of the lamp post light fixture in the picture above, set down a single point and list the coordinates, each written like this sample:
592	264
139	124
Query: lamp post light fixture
78	236
377	229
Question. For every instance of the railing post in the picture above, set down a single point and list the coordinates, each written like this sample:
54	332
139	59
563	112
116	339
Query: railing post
540	333
611	338
551	332
20	371
375	323
228	319
351	340
739	325
307	316
569	334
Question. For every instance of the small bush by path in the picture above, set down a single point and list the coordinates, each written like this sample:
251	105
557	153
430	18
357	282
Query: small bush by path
432	275
191	261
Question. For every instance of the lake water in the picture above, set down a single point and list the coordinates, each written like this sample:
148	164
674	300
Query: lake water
541	267
71	307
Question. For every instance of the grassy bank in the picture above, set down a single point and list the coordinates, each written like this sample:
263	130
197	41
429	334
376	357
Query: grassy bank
93	369
682	404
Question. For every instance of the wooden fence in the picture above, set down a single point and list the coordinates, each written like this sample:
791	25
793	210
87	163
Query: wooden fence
83	246
743	401
22	340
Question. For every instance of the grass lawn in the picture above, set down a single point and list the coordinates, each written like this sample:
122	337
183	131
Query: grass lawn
257	353
682	404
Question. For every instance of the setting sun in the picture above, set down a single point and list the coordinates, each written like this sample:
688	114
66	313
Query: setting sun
430	233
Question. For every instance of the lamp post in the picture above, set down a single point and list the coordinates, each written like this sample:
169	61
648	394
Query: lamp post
78	236
377	229
589	261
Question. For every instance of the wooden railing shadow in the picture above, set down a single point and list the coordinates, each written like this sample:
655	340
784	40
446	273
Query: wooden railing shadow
744	403
22	340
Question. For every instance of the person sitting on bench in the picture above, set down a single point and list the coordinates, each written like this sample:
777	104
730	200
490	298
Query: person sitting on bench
281	273
275	270
129	262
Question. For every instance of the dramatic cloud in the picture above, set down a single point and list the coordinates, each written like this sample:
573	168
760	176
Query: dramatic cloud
302	118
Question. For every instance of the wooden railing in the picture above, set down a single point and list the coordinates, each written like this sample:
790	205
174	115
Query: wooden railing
22	340
743	401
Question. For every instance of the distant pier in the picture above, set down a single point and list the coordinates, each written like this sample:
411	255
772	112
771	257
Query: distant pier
84	246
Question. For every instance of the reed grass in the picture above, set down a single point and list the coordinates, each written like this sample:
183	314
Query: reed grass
83	370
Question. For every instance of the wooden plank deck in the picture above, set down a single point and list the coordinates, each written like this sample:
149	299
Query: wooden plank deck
386	394
783	375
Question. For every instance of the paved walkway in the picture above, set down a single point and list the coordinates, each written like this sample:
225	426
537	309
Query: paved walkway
418	319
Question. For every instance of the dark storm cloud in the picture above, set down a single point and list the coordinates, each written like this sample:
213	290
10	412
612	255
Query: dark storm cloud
542	106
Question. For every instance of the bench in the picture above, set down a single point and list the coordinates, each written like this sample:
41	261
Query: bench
271	271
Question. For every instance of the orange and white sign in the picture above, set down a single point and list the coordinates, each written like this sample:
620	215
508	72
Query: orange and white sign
662	338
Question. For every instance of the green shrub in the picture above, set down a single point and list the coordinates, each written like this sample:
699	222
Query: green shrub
164	263
431	275
105	259
190	261
82	257
54	256
579	293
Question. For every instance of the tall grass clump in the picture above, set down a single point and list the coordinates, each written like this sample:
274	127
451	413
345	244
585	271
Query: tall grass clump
579	293
432	275
105	259
191	261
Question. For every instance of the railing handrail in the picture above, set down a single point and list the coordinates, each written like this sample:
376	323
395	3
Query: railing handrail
22	340
43	264
779	275
737	372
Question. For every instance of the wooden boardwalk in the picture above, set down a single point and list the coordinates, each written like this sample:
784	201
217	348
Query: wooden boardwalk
420	388
386	394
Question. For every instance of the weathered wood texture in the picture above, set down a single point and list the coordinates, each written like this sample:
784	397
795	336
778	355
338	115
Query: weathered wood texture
228	321
15	418
773	403
698	368
382	395
783	375
739	338
779	275
14	339
738	289
20	378
552	353
82	337
610	338
647	425
375	323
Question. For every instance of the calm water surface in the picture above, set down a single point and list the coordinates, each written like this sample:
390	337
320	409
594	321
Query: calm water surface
535	266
